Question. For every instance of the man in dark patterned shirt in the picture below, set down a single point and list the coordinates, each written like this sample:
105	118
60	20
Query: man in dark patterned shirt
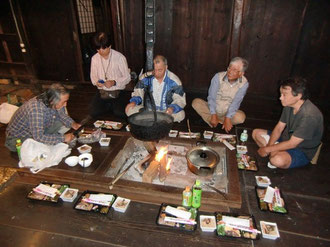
42	118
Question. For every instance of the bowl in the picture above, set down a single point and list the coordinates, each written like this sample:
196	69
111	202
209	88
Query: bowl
105	141
72	160
85	160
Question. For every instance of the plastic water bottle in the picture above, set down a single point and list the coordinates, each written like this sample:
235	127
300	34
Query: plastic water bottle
18	147
186	197
197	194
243	138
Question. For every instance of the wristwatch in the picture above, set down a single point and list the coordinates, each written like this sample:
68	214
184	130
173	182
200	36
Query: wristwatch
115	83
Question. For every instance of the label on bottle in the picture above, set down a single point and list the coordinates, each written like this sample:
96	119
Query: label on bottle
197	197
186	198
244	137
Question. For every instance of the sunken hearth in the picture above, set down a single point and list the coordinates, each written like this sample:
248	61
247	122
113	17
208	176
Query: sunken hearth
151	180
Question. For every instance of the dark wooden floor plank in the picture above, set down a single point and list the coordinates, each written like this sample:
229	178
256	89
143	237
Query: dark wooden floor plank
136	228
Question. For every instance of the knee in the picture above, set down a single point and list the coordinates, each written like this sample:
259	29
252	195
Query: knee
256	133
132	110
178	117
279	161
196	102
239	117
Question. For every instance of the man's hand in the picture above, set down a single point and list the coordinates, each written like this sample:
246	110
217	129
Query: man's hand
169	110
75	126
68	137
263	152
109	83
227	125
214	120
129	106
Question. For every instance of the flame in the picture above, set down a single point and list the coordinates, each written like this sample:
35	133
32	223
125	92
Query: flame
168	165
160	154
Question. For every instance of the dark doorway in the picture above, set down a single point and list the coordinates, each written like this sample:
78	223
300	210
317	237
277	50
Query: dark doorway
92	16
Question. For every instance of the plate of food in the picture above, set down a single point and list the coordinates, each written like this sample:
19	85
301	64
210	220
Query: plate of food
236	226
277	204
92	201
112	125
178	217
218	137
46	191
246	162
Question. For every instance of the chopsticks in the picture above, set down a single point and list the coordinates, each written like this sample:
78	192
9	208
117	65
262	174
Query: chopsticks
188	124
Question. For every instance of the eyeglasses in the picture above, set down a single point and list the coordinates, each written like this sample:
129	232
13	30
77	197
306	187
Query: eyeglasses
233	70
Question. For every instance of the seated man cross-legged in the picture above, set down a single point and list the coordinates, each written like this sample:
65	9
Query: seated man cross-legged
42	118
296	137
166	90
225	95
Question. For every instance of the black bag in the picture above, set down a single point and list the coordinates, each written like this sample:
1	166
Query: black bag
109	94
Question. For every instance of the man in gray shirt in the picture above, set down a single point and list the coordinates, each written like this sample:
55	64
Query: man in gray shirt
225	95
296	137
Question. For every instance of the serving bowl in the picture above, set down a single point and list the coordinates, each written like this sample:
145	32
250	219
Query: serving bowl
72	160
85	160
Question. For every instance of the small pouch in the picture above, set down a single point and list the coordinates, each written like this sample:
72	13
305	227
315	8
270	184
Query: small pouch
109	94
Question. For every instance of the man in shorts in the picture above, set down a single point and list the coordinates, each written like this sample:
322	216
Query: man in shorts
296	137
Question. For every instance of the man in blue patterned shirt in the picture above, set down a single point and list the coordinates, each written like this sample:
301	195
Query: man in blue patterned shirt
42	118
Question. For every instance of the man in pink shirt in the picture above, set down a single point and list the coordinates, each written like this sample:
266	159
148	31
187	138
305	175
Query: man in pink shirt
110	74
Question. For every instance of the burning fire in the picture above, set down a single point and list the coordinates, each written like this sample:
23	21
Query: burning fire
160	154
168	165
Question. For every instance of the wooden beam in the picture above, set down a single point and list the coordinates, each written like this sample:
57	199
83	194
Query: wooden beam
236	27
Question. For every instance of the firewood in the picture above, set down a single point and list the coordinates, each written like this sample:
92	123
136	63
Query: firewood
162	169
139	165
151	172
151	147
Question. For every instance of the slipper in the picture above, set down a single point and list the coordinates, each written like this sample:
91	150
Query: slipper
271	166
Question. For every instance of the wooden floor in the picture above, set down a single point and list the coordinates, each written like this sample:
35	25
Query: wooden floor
26	223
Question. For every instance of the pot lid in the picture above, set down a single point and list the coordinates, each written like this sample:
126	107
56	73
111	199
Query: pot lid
203	157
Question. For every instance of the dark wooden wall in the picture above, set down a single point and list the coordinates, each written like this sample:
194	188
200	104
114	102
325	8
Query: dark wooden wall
199	37
279	38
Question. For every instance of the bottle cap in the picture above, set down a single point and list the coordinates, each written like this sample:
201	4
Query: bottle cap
245	131
18	141
187	189
198	182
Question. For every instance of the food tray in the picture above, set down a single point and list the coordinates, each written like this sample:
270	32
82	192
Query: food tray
230	232
111	125
91	207
40	197
251	160
264	206
161	216
217	137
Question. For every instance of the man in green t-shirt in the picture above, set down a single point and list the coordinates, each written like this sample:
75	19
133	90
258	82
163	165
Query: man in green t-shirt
296	137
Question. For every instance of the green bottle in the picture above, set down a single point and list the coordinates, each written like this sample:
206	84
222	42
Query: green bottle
197	194
18	147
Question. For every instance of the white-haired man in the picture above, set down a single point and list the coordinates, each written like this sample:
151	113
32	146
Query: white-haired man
225	95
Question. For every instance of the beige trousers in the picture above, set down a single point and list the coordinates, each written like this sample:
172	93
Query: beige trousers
202	108
178	117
